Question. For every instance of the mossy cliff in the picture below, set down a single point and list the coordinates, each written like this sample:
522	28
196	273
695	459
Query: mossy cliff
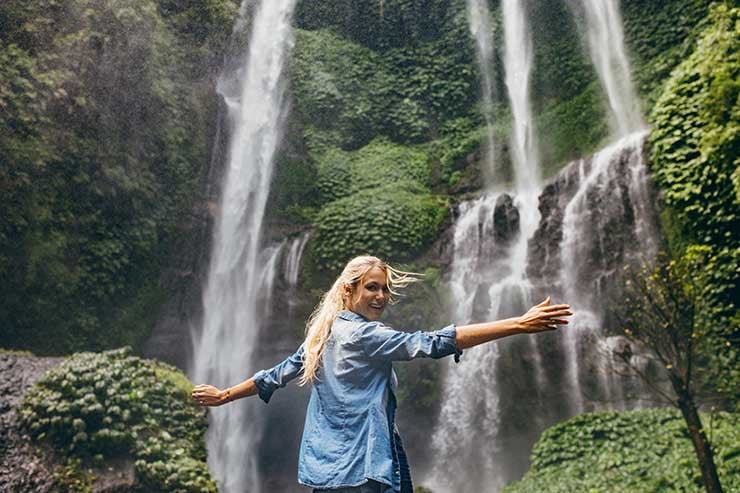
695	160
107	110
110	115
398	80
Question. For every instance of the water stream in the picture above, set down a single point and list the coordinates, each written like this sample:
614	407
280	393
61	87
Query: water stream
479	19
567	239
488	279
242	269
605	36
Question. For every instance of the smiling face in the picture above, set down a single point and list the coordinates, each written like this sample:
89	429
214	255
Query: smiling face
370	296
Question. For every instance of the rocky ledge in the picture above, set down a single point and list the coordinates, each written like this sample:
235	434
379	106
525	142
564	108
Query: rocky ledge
24	468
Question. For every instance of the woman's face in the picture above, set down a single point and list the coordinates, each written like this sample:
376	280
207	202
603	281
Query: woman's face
370	296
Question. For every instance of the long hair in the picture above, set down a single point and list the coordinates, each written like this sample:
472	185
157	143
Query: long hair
318	327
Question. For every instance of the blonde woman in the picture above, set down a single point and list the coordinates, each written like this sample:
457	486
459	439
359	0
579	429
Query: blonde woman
349	440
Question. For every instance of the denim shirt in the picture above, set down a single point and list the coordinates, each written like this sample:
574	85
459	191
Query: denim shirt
348	435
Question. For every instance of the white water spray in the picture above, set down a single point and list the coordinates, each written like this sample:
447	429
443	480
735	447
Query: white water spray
241	271
479	19
585	251
606	45
488	278
518	57
479	430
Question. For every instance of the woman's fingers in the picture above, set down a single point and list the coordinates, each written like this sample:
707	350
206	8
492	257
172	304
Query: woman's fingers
545	302
205	395
553	308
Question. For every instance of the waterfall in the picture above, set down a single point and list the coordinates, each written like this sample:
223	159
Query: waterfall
591	253
479	19
466	437
606	46
488	280
241	271
292	267
507	254
518	58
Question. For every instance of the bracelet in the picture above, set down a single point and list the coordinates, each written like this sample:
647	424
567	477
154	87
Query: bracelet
228	394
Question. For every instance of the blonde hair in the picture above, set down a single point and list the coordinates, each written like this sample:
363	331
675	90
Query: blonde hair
318	327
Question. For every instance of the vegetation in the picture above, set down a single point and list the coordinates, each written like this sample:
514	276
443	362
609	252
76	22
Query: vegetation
694	158
669	318
629	451
95	407
105	119
660	35
107	112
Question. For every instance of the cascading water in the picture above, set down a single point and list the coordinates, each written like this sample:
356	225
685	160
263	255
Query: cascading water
606	45
479	19
241	270
594	217
518	58
591	254
293	260
488	278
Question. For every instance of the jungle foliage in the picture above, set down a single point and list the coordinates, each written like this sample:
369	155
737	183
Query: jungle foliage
105	110
695	158
629	451
97	407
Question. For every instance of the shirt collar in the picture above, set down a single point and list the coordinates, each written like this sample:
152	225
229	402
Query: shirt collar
351	316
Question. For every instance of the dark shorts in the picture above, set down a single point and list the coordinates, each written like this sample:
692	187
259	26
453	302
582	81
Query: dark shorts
369	487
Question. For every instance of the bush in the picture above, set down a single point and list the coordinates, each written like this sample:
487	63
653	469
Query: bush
99	406
394	222
694	158
629	451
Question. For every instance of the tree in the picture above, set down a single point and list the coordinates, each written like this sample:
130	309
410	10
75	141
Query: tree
667	316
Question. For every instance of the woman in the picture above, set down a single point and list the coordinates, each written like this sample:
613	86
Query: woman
349	440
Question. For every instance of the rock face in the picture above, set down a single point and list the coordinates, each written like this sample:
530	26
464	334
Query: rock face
597	215
23	469
505	219
185	278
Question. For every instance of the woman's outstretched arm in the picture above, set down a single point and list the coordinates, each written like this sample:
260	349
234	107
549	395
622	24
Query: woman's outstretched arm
263	383
540	318
208	395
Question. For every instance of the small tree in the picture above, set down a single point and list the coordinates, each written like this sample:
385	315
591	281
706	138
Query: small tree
666	314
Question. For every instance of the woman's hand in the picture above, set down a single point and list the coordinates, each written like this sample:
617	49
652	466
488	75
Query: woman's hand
208	395
544	317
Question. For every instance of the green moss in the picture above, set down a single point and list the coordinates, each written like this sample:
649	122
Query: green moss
394	222
105	113
629	451
375	200
99	406
694	146
343	173
573	128
660	35
403	93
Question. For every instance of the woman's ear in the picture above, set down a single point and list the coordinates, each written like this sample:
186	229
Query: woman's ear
347	294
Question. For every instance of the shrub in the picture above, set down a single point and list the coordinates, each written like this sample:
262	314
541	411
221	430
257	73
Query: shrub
393	222
112	404
628	451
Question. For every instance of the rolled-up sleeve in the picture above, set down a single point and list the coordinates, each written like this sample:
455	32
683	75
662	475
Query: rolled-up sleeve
382	342
268	381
